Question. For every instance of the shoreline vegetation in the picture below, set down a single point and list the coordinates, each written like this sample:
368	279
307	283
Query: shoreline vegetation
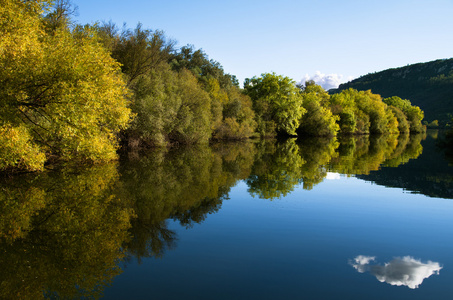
71	92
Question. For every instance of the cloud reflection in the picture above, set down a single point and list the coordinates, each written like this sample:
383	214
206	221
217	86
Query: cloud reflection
333	176
405	271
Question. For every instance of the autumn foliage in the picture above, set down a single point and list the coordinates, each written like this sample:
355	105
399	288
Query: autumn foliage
77	93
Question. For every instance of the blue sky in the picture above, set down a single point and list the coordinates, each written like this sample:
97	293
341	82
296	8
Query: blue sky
332	41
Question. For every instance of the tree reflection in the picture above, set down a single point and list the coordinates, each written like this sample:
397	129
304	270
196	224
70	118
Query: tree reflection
280	166
316	153
363	154
277	169
408	147
61	233
184	185
428	174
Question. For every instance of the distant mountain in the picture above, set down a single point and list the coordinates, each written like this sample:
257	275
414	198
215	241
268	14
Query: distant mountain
427	85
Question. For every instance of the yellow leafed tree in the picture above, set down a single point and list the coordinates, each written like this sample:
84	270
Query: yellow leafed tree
60	90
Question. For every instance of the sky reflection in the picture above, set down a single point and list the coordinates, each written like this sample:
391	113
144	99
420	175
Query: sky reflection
406	271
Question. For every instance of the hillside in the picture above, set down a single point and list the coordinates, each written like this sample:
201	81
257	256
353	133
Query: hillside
428	85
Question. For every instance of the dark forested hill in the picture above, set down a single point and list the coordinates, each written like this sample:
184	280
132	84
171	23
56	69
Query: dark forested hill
427	85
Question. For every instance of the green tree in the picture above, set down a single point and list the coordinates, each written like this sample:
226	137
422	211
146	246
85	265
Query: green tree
139	51
362	112
201	66
232	113
219	99
170	106
318	119
156	103
392	121
372	105
350	121
192	123
60	15
414	114
403	124
277	103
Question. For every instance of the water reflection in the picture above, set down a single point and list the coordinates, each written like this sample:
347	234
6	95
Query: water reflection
277	169
316	152
281	166
362	154
184	185
65	232
405	271
61	233
429	174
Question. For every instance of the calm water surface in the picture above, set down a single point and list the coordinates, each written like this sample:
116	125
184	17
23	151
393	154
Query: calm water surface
314	219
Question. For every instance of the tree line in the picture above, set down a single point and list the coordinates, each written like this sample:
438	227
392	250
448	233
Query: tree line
71	92
428	85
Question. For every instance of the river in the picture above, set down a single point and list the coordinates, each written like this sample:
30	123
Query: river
348	218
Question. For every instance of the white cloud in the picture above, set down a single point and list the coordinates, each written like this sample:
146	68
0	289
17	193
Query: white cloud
332	176
405	271
327	81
